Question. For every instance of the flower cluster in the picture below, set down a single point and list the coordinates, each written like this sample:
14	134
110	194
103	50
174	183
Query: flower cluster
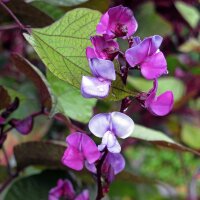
145	55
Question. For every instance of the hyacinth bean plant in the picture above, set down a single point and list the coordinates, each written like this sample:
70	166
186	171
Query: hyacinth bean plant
82	52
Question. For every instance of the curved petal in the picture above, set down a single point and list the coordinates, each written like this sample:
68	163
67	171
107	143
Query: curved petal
102	68
154	66
74	139
73	158
91	167
92	87
137	54
156	41
103	24
122	125
99	124
89	149
163	104
90	53
110	141
116	160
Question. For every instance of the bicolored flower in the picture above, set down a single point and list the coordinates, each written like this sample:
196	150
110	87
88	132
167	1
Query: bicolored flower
117	22
64	189
99	85
81	148
147	55
105	49
108	126
160	105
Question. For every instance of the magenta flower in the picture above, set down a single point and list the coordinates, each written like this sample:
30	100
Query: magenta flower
160	105
64	189
105	49
117	22
81	148
99	85
108	126
147	55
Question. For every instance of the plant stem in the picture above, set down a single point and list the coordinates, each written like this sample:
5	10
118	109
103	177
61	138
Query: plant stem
100	193
20	25
7	161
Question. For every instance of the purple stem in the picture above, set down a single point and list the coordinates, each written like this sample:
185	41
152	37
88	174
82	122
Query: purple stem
20	25
100	192
8	27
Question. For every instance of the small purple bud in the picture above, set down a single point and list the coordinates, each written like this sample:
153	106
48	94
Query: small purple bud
23	126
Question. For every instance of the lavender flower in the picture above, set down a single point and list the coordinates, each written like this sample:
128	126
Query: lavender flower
81	148
117	22
99	85
147	55
109	125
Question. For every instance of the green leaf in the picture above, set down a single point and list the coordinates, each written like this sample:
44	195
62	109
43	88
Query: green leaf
62	2
50	10
34	187
164	84
158	137
190	135
190	13
70	101
62	45
39	153
151	22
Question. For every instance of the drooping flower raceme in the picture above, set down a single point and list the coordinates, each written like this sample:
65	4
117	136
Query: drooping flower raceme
117	22
81	148
105	49
147	55
108	126
160	105
64	189
99	85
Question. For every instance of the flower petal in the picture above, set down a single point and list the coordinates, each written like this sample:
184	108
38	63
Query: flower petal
90	53
110	141
73	158
102	68
92	87
137	54
103	24
122	125
163	104
156	41
154	66
89	149
83	196
116	160
99	124
74	139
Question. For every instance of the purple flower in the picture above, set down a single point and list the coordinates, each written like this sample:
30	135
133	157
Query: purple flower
99	85
109	125
160	105
105	49
81	148
147	55
117	22
113	164
64	188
